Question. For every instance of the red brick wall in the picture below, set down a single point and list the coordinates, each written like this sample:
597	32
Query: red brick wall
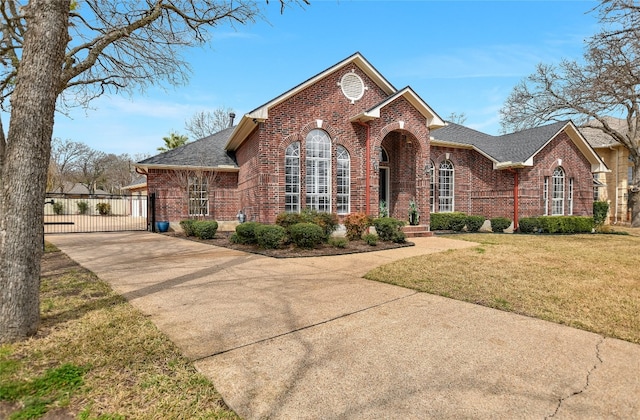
171	199
323	105
482	190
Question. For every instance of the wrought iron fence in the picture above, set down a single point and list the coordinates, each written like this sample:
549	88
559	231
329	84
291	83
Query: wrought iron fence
71	213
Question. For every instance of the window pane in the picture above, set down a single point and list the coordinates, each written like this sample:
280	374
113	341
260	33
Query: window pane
292	178
343	181
557	194
318	162
445	186
198	196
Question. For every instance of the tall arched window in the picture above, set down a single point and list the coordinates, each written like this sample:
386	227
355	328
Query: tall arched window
445	187
292	178
557	192
318	162
343	180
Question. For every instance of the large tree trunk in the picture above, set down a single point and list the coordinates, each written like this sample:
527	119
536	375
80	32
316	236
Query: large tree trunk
24	166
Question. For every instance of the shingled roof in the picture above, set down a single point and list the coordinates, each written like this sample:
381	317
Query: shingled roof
597	138
207	152
515	149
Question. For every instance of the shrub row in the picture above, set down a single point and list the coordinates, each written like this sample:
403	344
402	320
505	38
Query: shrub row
556	224
457	221
202	229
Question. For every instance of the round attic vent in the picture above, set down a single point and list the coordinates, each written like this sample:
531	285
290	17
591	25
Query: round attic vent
352	86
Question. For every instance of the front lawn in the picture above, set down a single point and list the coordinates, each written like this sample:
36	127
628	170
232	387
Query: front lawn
591	282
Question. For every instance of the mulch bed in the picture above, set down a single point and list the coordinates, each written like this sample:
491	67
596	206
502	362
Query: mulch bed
353	247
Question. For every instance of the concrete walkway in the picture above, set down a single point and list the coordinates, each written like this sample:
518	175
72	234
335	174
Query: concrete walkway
309	338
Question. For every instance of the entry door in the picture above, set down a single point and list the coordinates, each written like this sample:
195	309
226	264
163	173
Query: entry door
383	190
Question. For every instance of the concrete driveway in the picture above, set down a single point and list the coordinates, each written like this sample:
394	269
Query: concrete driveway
309	338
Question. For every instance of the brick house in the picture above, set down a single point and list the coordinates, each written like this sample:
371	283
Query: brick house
346	140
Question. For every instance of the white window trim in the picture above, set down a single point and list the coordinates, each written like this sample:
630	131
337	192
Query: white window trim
451	196
343	163
292	154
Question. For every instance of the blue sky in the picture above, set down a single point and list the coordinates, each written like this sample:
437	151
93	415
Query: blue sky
459	56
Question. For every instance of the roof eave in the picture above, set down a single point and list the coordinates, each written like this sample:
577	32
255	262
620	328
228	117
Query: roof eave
219	168
247	125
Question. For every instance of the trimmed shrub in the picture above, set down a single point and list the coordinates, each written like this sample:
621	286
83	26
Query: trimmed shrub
83	207
58	208
328	222
356	224
270	236
600	210
389	229
246	233
448	221
187	227
529	225
474	223
103	208
498	224
556	224
205	229
338	242
370	239
306	235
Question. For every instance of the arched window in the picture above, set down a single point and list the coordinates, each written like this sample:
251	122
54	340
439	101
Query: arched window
292	178
557	192
318	162
445	187
432	187
343	180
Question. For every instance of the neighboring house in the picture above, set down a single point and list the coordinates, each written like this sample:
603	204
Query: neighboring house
77	189
346	139
138	191
613	186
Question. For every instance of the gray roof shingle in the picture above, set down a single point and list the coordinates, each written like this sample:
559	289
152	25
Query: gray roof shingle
514	147
205	152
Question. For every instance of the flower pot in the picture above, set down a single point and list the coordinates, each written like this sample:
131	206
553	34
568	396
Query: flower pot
162	226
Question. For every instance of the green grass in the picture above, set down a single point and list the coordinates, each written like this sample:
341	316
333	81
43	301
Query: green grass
96	357
589	282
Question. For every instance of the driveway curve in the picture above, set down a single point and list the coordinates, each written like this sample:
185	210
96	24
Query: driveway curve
309	338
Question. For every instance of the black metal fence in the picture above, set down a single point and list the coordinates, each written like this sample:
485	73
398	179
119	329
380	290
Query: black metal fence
75	213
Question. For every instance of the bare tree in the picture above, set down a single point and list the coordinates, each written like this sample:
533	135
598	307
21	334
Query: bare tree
206	123
456	118
66	158
604	83
67	52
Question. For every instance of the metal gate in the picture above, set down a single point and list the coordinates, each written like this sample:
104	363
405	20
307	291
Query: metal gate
75	213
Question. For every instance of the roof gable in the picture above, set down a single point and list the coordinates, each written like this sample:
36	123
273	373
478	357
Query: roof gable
433	119
516	149
248	122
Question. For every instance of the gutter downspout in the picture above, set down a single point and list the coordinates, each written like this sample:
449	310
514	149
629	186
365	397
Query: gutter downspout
516	198
367	193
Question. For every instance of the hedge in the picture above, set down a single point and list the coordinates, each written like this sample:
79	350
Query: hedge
556	224
448	221
474	223
499	224
246	233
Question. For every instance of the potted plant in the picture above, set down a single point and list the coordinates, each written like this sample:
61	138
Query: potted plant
414	214
162	226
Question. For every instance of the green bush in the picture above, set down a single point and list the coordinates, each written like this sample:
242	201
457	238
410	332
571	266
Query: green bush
270	236
356	224
205	229
448	221
286	220
370	239
328	222
246	233
83	207
58	208
389	229
556	224
338	242
529	225
187	227
103	208
306	235
498	224
600	210
474	223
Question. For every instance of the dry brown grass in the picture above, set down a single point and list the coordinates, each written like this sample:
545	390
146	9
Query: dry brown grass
131	369
591	282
